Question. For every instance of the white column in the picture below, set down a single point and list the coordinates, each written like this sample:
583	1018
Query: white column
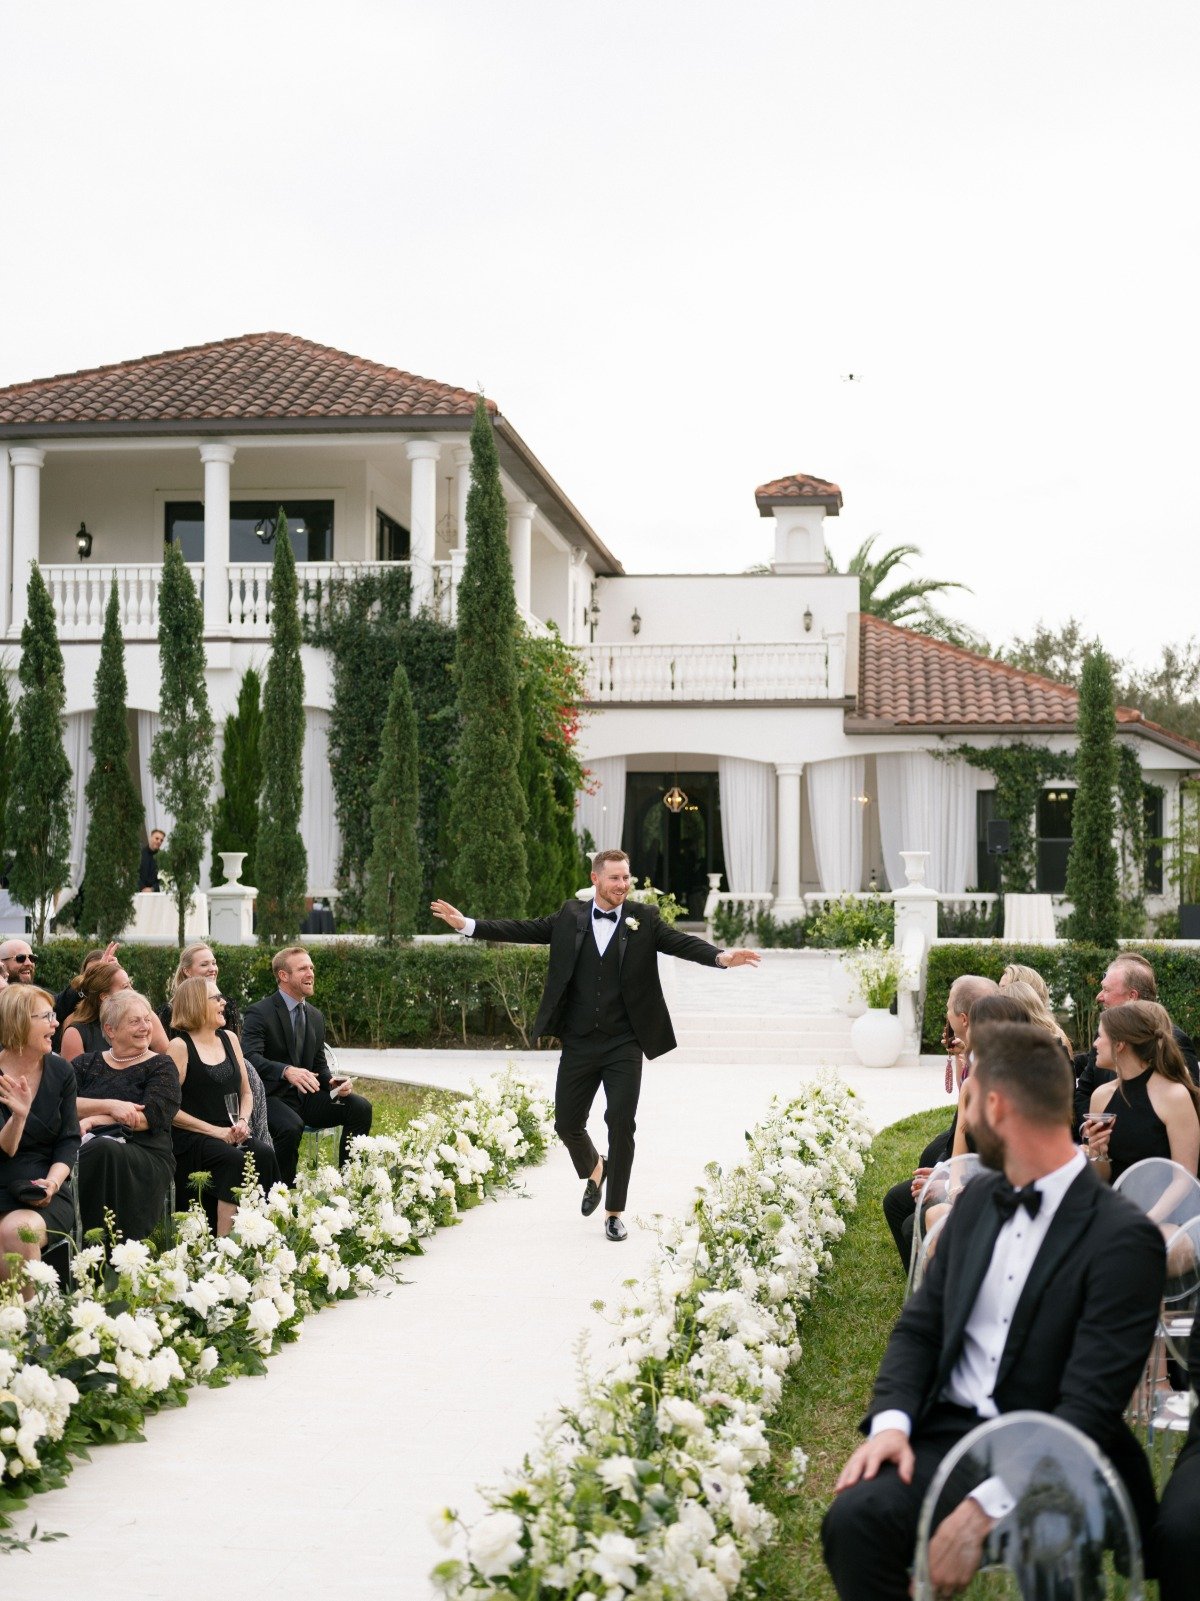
788	904
422	522
462	488
27	516
218	459
520	548
5	538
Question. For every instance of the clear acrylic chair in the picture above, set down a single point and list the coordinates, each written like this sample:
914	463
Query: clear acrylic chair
334	1133
1071	1534
942	1188
1168	1194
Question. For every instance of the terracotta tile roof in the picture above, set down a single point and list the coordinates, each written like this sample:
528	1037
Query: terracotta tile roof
257	377
906	680
797	489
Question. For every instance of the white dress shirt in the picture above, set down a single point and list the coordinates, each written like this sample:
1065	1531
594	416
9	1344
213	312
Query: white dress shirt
603	928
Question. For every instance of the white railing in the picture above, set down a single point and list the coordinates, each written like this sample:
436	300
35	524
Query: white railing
80	594
632	673
976	901
753	904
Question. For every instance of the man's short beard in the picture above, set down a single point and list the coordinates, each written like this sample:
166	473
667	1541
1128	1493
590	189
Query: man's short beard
988	1145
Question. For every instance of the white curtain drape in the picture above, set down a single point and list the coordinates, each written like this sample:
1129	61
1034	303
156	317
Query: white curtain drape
836	816
156	814
77	740
602	814
748	824
318	822
928	805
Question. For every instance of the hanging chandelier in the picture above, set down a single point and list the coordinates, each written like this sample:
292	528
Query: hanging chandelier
675	800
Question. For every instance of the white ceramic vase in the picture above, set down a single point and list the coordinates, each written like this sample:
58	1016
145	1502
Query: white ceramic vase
877	1037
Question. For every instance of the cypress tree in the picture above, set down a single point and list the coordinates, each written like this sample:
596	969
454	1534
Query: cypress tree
543	852
235	825
394	869
6	760
114	806
488	809
38	815
181	760
1092	885
282	863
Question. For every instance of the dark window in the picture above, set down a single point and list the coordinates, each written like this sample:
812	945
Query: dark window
392	539
1054	811
1152	814
987	868
310	528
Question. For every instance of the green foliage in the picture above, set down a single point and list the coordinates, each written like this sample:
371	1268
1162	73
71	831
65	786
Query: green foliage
732	922
488	809
669	909
969	922
6	757
393	875
910	604
1021	773
181	760
789	936
235	822
114	806
847	922
551	772
877	968
1054	653
1092	885
1183	864
282	862
38	814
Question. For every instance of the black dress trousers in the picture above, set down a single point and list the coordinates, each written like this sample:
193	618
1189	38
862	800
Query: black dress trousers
587	1062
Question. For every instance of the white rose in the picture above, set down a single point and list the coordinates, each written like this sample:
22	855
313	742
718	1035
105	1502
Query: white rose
493	1545
208	1360
441	1526
263	1317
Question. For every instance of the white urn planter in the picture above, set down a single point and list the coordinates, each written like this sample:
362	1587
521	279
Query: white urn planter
877	1037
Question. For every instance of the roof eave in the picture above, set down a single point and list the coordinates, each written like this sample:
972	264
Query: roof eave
886	725
189	426
523	467
767	503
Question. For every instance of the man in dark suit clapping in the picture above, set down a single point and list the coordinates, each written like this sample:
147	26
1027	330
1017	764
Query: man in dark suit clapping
1043	1295
603	1000
284	1037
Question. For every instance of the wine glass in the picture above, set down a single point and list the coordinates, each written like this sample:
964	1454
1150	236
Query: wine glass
334	1074
233	1107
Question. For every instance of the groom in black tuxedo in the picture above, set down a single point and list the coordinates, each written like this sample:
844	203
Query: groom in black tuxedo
603	1000
1043	1295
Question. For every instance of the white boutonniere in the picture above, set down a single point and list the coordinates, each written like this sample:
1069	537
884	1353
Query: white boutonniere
632	924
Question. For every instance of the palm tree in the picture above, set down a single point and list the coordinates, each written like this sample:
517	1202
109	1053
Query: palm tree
908	605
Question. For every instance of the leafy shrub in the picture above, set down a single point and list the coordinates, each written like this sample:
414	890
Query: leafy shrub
969	922
781	936
669	909
849	922
733	922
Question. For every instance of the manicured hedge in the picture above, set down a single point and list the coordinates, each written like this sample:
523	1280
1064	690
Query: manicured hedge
1072	969
409	995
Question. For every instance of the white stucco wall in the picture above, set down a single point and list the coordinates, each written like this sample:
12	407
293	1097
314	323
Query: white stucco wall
716	608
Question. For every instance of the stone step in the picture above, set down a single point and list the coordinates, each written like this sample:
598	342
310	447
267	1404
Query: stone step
796	1056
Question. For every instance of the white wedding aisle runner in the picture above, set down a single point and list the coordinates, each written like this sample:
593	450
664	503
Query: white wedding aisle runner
317	1481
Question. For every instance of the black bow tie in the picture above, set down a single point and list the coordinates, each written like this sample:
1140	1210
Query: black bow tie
609	917
1008	1200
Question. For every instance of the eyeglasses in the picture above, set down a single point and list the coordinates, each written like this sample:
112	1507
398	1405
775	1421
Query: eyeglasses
44	1017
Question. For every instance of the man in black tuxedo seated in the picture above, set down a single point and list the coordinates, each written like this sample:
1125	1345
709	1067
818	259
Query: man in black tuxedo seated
1043	1294
1178	1533
284	1036
1128	977
603	1000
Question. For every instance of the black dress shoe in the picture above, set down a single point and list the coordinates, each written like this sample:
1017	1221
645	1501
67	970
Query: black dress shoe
614	1229
592	1192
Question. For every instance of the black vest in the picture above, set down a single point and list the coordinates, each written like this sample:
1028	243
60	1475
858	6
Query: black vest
593	1002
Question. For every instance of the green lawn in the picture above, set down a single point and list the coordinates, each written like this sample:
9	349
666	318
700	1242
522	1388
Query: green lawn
844	1332
395	1106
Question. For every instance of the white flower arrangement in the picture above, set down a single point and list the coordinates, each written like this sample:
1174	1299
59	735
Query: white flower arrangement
646	1486
632	924
138	1330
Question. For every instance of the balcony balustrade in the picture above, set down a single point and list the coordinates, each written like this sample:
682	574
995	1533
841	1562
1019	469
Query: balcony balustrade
633	674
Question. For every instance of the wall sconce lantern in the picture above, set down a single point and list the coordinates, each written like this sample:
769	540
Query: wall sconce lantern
593	612
808	620
83	542
635	622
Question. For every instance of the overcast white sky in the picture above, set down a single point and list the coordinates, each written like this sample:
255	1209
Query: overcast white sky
658	234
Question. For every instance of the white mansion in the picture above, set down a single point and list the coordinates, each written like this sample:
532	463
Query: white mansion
801	733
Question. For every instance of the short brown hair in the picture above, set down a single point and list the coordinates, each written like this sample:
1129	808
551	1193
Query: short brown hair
599	859
282	960
18	1003
189	1005
1139	975
1024	1063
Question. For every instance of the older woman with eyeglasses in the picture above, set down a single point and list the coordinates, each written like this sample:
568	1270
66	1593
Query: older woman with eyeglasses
39	1126
128	1096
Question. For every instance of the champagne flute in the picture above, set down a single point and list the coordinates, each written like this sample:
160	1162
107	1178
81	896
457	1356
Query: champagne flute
233	1107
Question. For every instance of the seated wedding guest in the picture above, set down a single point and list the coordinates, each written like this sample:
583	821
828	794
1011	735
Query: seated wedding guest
900	1202
1043	1296
67	1000
18	961
1156	1104
1018	973
284	1037
1038	1012
39	1127
83	1033
1177	1533
128	1096
197	961
1128	977
212	1127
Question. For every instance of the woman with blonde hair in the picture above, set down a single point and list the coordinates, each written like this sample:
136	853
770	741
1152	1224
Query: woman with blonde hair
198	961
39	1127
212	1127
127	1097
1037	1011
1018	973
83	1033
1156	1104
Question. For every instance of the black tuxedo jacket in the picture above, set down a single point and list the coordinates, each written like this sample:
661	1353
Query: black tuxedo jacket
268	1042
637	955
1089	1077
1081	1332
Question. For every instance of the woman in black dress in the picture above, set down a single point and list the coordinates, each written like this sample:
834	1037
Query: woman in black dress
198	961
207	1139
39	1127
82	1032
1156	1105
128	1096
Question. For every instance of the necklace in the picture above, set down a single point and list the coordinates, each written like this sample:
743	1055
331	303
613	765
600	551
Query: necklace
136	1057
